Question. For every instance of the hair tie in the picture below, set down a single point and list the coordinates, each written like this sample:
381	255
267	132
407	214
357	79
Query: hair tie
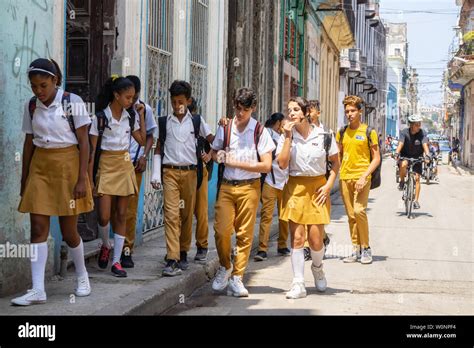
114	77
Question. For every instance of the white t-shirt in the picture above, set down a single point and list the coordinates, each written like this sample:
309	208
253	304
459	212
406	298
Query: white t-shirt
307	156
281	175
180	144
242	148
117	138
50	126
151	127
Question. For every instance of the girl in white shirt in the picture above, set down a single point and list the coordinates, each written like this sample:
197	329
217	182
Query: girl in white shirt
54	178
306	195
116	174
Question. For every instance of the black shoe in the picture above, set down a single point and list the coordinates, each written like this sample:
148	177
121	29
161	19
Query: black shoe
118	271
126	260
183	260
201	254
326	241
261	256
401	186
283	252
172	269
307	254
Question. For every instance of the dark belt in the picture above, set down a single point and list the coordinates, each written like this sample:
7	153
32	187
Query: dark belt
239	182
191	167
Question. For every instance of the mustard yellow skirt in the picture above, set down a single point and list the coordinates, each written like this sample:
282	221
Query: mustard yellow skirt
49	188
299	201
116	174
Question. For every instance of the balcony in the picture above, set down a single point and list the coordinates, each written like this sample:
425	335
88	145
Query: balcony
363	71
337	17
354	61
371	9
344	62
369	84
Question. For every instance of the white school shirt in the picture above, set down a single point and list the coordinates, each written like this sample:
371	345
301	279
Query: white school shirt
50	127
307	156
117	138
281	175
150	125
242	148
180	143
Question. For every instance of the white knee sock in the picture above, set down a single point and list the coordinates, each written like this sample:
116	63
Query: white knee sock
297	263
39	256
77	254
317	256
104	234
118	246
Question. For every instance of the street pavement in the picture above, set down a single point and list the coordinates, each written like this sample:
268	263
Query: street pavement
421	266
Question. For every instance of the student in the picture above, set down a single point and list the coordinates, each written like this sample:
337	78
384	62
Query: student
306	197
201	210
244	150
272	192
54	179
177	152
315	115
139	156
355	176
115	177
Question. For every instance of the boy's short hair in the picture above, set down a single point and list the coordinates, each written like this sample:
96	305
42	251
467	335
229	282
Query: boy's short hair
245	97
136	82
353	100
314	104
180	87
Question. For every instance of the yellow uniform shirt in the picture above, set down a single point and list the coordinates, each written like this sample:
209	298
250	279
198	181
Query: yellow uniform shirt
355	152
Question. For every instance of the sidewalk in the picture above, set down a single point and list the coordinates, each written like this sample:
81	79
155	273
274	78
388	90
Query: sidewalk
143	292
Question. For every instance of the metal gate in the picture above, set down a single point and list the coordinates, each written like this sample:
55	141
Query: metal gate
159	65
198	54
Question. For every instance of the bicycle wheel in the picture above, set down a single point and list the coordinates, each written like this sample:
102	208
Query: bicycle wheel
409	197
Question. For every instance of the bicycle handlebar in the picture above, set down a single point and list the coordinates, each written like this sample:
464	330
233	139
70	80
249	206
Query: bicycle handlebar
413	160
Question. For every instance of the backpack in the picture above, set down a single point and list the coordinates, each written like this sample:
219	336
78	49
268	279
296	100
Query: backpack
162	120
227	133
376	175
327	145
206	146
131	112
65	102
272	174
102	123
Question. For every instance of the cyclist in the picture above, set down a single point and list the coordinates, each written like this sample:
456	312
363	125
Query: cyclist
434	152
413	143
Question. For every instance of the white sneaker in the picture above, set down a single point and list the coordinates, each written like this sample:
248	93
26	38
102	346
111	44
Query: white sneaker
236	287
297	290
83	286
31	297
222	278
319	278
354	257
366	257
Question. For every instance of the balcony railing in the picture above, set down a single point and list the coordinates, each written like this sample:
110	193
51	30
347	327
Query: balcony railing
354	60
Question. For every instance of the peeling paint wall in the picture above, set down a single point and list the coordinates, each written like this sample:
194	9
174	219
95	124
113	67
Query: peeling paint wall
26	33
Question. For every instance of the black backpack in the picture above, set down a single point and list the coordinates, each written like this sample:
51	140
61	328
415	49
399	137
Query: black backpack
259	128
132	113
102	123
162	120
66	104
327	145
376	175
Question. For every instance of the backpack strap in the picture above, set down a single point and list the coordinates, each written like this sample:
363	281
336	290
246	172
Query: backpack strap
341	132
66	104
199	148
225	145
102	123
327	146
272	173
162	134
256	136
368	131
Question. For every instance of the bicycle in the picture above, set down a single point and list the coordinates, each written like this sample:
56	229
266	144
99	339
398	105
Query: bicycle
410	184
